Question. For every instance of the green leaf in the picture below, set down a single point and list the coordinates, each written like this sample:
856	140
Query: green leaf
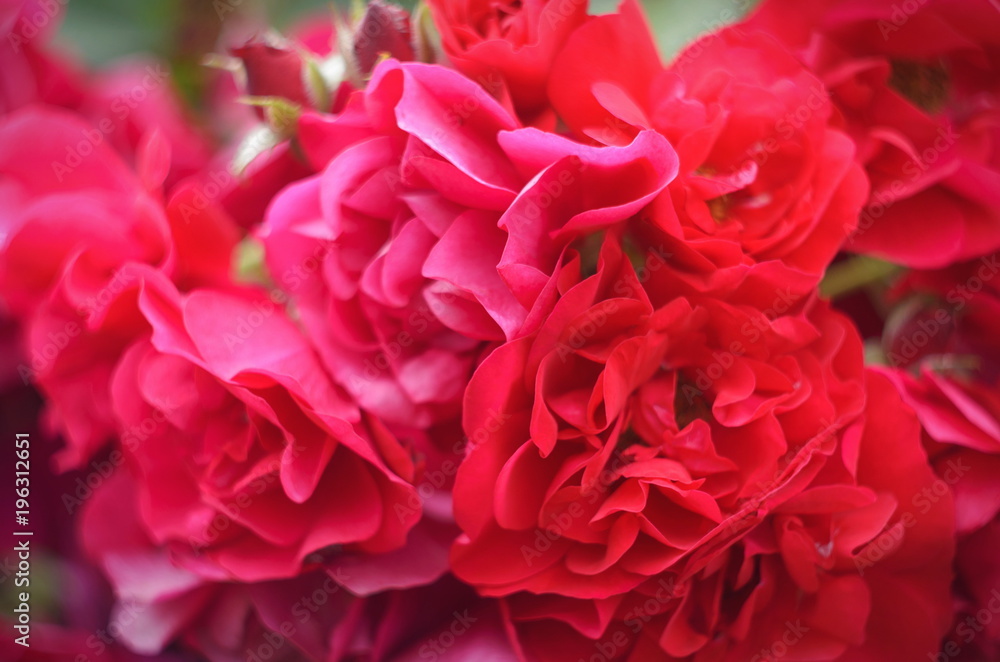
856	273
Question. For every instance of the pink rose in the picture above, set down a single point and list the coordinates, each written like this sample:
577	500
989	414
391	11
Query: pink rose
33	74
433	228
249	460
135	98
74	216
323	614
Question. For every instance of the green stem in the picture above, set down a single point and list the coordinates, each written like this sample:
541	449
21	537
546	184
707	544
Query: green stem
855	273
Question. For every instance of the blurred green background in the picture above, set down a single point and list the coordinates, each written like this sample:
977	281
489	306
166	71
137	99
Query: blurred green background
101	30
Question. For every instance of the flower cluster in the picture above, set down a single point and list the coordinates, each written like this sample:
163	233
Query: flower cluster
486	334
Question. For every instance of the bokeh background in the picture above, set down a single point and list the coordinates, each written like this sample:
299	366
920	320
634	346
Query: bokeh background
101	30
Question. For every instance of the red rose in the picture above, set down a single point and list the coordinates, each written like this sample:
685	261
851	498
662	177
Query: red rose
768	189
508	46
434	227
274	71
590	380
383	30
916	86
940	345
702	445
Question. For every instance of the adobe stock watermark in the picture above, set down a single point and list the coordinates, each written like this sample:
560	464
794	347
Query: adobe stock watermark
560	11
121	106
909	347
30	26
550	187
218	181
900	15
436	646
102	469
391	349
612	646
246	325
712	32
205	193
436	479
230	512
302	611
293	278
779	648
968	629
785	129
923	501
44	355
747	516
705	377
459	112
883	199
599	315
560	522
454	116
125	615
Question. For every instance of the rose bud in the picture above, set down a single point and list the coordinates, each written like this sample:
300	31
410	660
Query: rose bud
272	71
384	28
